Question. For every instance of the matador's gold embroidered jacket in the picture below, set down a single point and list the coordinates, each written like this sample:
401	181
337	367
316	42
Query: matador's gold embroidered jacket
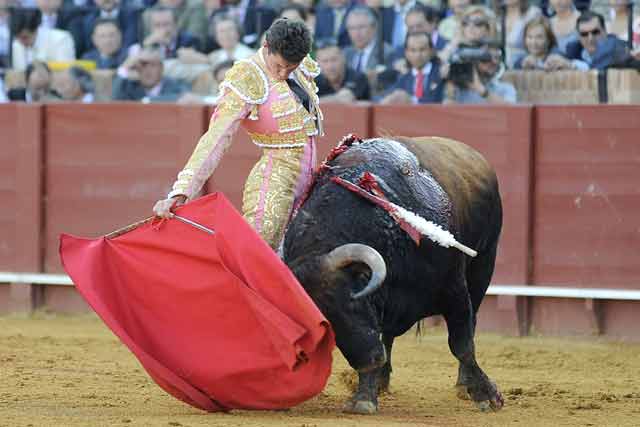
275	120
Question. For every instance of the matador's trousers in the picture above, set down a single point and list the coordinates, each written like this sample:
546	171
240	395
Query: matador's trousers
276	183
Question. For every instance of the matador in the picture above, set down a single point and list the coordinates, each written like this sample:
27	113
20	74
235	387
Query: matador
280	111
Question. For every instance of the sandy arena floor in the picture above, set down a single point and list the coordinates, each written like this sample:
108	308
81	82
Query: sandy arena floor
72	371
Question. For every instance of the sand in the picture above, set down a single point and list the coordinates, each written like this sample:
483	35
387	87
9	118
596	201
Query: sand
72	371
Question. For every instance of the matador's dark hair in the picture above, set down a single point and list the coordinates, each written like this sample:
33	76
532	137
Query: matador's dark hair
290	39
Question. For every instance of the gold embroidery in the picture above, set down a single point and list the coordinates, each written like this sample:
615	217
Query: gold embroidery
291	122
288	138
248	81
283	107
279	198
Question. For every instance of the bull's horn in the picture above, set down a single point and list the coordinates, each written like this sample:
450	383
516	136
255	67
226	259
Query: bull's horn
356	252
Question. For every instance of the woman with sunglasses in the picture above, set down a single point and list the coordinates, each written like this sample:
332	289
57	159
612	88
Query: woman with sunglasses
477	23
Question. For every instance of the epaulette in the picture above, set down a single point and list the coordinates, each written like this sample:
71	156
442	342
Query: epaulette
309	67
248	81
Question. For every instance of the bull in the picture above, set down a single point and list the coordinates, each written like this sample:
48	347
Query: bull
373	281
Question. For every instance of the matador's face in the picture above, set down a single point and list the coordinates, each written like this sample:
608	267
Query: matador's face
278	67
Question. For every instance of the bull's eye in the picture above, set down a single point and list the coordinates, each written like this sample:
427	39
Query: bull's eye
406	169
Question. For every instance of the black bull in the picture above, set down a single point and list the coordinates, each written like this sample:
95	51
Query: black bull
334	244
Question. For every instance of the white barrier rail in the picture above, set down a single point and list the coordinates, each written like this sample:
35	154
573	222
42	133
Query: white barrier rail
521	291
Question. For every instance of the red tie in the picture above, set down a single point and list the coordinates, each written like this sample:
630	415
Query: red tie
419	84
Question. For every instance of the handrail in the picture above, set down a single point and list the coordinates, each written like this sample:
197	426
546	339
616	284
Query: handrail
498	290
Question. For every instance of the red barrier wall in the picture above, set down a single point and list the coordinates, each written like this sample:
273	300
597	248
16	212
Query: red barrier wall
587	200
107	164
20	191
503	136
570	205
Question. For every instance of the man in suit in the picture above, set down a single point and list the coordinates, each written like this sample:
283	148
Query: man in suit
338	82
398	29
38	85
330	21
422	84
32	42
126	19
165	34
595	49
254	18
419	19
107	39
140	79
191	17
366	55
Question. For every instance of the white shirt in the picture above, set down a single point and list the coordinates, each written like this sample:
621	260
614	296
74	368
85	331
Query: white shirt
110	15
425	72
49	21
3	96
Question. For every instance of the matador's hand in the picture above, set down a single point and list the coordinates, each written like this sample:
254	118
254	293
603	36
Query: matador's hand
163	207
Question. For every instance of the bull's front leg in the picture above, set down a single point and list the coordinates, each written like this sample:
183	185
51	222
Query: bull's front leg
459	318
365	400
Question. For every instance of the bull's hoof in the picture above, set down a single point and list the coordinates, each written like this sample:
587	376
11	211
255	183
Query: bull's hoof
361	407
462	392
494	404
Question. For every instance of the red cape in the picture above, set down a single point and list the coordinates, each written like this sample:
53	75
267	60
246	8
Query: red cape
218	321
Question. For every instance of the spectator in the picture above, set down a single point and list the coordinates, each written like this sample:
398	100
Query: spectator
619	20
164	34
107	39
563	23
399	30
38	87
4	33
126	19
253	17
76	84
191	17
517	14
140	79
33	43
540	46
420	19
483	85
331	22
422	84
3	95
227	35
301	13
449	26
338	82
477	23
218	74
54	16
596	49
365	54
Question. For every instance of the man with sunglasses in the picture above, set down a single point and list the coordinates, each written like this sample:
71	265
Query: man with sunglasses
595	49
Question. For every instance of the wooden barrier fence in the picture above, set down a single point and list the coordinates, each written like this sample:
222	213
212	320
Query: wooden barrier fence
568	179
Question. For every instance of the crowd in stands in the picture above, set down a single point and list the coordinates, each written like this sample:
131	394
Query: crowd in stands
381	51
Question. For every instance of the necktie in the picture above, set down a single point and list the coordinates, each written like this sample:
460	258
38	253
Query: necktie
359	61
419	85
300	92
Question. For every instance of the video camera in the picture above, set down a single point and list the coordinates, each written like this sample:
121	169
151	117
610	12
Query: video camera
463	60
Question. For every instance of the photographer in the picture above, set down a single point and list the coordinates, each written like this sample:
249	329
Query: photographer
474	74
